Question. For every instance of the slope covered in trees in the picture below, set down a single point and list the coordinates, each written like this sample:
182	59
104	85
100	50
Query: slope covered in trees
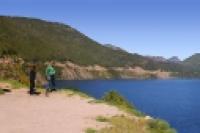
39	40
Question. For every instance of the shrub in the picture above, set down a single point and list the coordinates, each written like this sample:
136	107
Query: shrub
101	119
116	99
15	84
1	91
160	126
153	126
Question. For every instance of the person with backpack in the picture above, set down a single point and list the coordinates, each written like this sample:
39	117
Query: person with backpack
50	75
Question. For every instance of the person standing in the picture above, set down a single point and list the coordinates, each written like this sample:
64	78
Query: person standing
50	75
32	80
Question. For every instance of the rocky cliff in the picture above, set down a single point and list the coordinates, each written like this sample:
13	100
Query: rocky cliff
16	68
72	71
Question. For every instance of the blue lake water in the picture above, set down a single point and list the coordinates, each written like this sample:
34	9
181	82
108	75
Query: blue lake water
176	101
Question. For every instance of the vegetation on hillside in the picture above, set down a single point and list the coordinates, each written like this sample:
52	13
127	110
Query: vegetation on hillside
114	98
119	124
36	40
39	40
14	71
122	124
193	62
1	91
14	83
126	124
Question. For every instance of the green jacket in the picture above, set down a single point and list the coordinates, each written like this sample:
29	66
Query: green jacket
50	71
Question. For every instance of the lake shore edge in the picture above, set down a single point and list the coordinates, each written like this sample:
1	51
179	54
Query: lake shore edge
139	122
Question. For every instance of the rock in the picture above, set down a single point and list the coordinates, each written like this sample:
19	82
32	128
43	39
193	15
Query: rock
148	118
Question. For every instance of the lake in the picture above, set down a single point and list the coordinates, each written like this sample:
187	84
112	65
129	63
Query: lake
176	101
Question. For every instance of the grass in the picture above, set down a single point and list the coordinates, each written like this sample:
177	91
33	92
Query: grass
96	101
114	98
15	84
125	125
122	124
159	126
90	130
1	91
102	119
71	91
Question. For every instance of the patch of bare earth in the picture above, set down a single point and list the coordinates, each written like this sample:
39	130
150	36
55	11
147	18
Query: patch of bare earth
58	113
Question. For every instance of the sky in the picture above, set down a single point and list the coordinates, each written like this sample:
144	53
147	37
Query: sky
148	27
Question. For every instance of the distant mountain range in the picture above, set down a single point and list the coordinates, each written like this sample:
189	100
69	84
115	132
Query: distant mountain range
193	62
39	40
173	59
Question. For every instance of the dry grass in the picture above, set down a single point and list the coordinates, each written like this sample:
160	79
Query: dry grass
90	130
102	119
14	84
1	91
125	125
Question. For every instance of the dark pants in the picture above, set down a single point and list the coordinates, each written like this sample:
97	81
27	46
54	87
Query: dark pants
32	86
52	80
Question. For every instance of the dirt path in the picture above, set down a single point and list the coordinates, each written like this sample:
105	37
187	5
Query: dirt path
21	113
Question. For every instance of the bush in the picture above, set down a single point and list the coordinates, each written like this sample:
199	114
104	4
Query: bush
1	91
14	84
101	119
154	125
160	126
116	99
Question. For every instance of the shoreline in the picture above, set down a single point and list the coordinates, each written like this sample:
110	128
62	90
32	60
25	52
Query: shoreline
122	110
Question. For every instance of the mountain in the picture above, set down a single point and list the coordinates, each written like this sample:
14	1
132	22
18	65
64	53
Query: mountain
39	40
174	59
157	58
113	47
193	61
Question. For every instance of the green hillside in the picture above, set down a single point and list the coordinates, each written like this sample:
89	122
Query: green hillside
34	39
39	40
193	62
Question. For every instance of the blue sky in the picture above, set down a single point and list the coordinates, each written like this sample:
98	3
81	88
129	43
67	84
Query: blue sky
148	27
